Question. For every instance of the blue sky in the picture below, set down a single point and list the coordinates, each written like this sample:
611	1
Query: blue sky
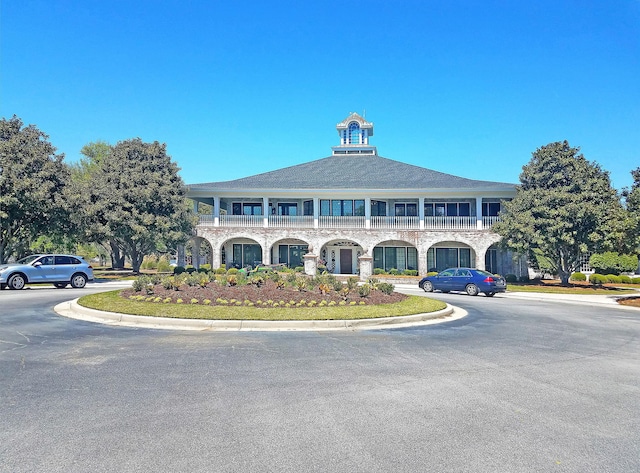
469	88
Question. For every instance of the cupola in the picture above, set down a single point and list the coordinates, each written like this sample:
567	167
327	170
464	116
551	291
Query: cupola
354	134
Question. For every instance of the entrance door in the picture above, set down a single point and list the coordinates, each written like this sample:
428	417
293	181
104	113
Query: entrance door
346	261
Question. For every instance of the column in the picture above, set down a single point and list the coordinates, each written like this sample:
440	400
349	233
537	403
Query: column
479	213
316	211
216	211
366	267
195	255
367	212
421	212
310	264
265	211
182	260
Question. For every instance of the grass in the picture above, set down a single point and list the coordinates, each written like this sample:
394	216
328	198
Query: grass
554	287
112	302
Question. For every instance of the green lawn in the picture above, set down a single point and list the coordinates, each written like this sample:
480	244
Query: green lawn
112	302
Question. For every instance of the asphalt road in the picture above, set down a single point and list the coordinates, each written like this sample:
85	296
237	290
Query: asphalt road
516	386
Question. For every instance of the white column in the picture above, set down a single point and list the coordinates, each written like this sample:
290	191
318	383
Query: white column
316	211
421	212
195	207
367	212
479	212
265	211
216	211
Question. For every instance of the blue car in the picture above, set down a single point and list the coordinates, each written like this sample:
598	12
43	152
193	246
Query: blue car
469	280
59	270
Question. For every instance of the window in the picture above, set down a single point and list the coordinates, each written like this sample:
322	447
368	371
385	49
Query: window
490	209
406	210
292	255
439	259
378	208
246	255
307	207
342	208
66	260
354	133
287	209
248	208
395	257
448	209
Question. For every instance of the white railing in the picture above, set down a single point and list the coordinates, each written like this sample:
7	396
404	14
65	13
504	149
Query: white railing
382	223
241	220
288	221
326	221
487	222
450	223
395	223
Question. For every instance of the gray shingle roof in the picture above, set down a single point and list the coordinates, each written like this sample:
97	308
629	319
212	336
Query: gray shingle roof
352	172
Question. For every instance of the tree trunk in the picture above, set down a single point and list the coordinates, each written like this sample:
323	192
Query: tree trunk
117	258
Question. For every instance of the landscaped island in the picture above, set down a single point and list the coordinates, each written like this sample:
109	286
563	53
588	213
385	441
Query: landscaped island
260	296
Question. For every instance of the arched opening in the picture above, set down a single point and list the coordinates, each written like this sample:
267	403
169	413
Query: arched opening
393	254
241	253
450	254
354	133
341	257
198	252
289	251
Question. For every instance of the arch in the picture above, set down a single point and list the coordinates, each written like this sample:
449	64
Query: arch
341	256
198	251
395	254
289	251
242	251
450	253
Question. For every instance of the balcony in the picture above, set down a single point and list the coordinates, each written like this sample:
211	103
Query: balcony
375	222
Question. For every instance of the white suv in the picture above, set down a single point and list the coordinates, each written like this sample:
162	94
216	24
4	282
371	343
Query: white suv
59	270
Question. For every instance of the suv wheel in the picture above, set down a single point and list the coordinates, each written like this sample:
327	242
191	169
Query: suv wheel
17	281
78	281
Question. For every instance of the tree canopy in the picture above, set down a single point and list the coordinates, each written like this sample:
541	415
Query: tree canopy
564	208
136	199
32	179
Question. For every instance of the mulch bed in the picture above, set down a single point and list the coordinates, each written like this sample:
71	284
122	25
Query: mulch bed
266	292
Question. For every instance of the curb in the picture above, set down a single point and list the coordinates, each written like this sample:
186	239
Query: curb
73	310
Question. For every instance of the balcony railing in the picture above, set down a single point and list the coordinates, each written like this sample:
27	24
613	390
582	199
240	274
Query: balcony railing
396	223
289	221
376	222
450	223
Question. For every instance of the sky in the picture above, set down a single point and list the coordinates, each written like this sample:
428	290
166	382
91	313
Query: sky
469	88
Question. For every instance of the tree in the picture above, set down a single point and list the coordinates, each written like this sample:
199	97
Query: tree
95	153
633	208
564	208
32	181
136	199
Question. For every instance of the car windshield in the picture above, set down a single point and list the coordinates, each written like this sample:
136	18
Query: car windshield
28	259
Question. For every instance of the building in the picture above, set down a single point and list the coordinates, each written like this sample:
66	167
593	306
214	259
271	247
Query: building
352	212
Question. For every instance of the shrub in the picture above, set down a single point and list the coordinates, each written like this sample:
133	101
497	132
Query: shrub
364	290
625	279
386	288
221	270
635	281
232	280
232	271
352	283
410	272
299	269
613	278
138	284
394	272
190	269
524	278
613	263
163	265
206	267
598	279
178	270
578	276
378	271
511	278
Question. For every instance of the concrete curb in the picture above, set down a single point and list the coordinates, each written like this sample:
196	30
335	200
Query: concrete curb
73	310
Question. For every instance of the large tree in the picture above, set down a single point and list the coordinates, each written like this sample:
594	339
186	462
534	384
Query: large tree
564	208
136	199
32	180
633	207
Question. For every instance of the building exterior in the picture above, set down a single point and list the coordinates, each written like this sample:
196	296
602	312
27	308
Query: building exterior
352	212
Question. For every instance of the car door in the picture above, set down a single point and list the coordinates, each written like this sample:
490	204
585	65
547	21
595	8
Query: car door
443	280
63	268
42	269
460	280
